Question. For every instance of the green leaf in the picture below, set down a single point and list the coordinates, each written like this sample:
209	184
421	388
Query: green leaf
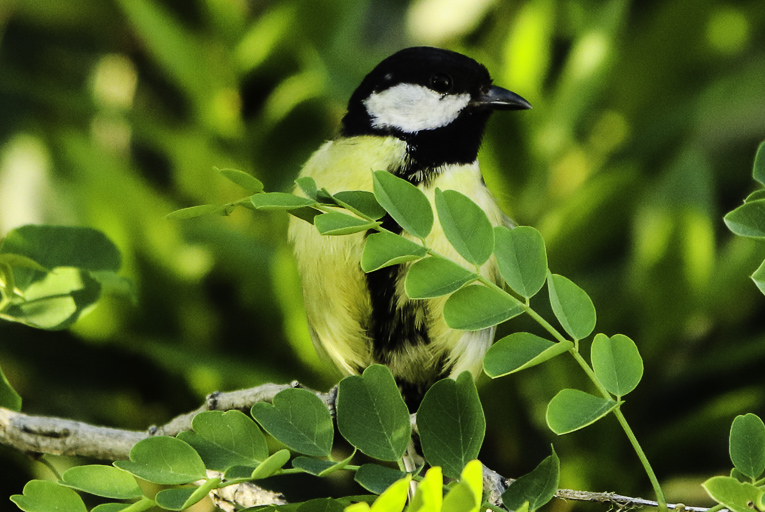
375	478
46	496
429	495
747	445
312	466
572	410
435	277
184	497
394	498
521	258
537	487
57	300
362	201
371	414
106	481
119	507
736	496
247	181
321	468
308	186
305	213
164	460
748	219
519	351
617	363
385	249
460	498
279	201
17	260
572	306
8	396
299	419
225	439
465	225
320	505
336	223
271	465
475	307
451	424
404	202
754	196
472	476
201	210
62	246
759	164
759	277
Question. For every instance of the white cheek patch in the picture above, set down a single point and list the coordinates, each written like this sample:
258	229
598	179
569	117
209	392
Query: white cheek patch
413	108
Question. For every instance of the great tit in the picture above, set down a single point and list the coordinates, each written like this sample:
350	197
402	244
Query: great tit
420	115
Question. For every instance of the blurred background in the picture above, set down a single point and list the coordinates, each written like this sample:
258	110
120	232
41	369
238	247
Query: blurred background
645	124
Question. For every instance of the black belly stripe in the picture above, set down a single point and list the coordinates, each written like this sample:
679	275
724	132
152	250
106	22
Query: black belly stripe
392	328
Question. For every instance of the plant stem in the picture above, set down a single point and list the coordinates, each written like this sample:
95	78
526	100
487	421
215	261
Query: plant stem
662	501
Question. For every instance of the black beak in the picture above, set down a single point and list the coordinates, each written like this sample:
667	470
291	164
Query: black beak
498	98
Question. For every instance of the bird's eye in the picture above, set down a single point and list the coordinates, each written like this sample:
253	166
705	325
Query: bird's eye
441	82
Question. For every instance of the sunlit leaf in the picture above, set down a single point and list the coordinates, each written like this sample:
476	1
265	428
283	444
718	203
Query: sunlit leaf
56	300
430	492
394	498
460	498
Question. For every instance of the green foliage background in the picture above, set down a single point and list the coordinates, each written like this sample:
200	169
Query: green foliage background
645	123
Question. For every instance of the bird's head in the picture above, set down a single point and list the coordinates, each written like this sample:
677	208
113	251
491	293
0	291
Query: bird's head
437	100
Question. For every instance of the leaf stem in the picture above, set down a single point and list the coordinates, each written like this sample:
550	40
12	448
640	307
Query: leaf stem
662	501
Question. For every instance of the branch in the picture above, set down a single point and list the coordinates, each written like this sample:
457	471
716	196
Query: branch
58	436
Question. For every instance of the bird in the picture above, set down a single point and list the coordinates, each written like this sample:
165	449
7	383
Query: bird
420	115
